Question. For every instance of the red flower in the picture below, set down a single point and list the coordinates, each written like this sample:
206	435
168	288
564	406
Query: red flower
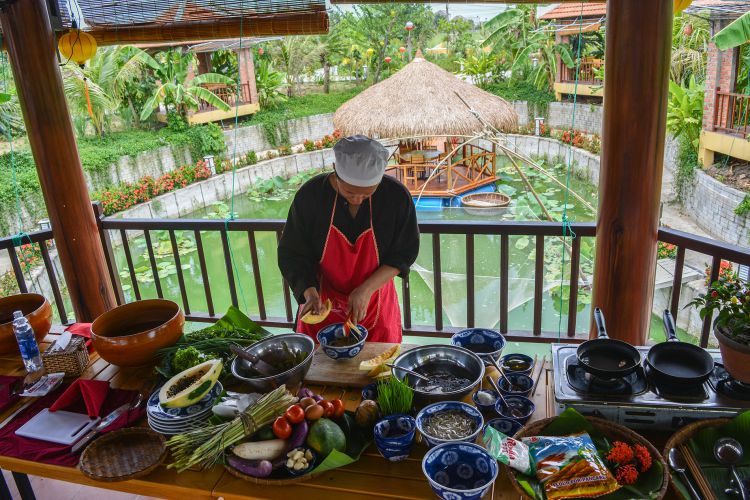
620	453
626	474
642	457
714	294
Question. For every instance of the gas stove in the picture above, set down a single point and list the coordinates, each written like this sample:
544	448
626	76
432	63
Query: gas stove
637	402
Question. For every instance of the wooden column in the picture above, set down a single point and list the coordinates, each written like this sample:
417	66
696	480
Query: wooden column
635	100
31	47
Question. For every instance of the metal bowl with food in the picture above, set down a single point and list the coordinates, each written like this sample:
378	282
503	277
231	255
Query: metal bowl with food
452	372
291	354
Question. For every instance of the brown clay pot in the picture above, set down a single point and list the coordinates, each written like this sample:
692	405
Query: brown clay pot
35	308
735	356
130	335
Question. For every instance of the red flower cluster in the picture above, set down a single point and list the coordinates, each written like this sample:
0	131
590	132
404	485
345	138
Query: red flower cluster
309	145
573	137
628	461
29	255
127	195
327	141
726	272
666	250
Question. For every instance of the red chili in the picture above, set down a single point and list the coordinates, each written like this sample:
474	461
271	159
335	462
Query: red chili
295	414
282	429
338	408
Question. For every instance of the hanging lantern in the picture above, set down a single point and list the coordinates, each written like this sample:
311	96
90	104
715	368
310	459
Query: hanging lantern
409	26
370	52
261	51
687	30
402	49
388	59
345	61
77	46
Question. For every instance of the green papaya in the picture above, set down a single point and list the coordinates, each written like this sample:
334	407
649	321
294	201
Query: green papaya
190	386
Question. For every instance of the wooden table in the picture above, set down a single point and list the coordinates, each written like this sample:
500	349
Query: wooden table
429	154
370	477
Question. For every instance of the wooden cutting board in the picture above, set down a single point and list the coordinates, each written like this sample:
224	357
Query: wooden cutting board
345	372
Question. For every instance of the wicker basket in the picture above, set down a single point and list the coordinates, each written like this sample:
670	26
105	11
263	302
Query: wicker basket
123	454
72	360
611	430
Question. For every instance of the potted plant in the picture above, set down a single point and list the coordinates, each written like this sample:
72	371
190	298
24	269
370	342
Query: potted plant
729	298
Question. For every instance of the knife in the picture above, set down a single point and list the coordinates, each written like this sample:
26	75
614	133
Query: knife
106	421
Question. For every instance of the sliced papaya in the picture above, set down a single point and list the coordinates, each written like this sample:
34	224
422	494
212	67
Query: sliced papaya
190	386
378	360
314	319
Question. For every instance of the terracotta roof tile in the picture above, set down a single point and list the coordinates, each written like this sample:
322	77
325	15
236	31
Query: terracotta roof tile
573	10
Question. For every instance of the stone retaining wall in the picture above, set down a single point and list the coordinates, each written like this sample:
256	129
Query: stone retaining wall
588	116
711	205
255	138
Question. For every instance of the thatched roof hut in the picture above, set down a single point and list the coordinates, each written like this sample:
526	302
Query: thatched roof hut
421	100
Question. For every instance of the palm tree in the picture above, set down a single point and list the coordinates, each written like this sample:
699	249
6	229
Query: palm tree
690	37
292	54
97	89
330	48
516	36
268	83
171	69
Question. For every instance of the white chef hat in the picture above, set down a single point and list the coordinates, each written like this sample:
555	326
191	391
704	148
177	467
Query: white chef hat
360	161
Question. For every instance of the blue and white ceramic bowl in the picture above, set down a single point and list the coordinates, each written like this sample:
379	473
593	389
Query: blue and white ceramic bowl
157	411
507	426
330	333
489	407
428	411
394	436
522	384
459	471
370	391
519	408
517	363
481	341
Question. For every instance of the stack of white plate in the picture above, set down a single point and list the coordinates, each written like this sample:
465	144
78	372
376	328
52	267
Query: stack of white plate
171	421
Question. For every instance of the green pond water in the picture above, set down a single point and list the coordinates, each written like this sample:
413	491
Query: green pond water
275	204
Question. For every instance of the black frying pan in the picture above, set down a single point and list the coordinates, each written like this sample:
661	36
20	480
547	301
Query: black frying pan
675	362
607	358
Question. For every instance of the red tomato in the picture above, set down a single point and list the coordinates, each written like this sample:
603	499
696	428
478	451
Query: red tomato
327	408
295	414
338	408
282	429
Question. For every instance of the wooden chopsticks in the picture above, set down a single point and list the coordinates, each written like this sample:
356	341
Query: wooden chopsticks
695	470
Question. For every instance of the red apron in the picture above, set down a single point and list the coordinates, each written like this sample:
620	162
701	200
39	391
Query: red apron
345	266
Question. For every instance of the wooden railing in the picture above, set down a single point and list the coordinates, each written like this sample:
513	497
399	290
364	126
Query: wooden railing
228	93
586	73
540	232
732	113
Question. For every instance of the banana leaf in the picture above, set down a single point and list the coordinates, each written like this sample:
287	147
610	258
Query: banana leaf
235	319
357	443
571	422
702	446
734	34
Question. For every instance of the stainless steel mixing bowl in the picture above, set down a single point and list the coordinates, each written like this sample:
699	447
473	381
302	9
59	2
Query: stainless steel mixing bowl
292	378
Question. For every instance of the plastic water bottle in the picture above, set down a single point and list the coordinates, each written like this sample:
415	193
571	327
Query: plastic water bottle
27	343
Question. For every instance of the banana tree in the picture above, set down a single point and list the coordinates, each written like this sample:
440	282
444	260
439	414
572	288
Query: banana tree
174	91
735	34
685	111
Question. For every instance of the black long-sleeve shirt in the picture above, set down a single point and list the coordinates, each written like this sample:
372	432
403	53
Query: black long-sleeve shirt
394	220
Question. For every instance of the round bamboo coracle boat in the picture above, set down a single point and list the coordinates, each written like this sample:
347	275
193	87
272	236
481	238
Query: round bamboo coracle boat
485	203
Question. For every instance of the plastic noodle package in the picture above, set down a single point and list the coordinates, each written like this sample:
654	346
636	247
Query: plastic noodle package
569	467
507	450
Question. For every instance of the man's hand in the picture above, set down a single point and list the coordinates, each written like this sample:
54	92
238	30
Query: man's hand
312	302
358	302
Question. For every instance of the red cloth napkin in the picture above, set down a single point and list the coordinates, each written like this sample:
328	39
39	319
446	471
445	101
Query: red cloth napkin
7	397
82	330
58	454
91	392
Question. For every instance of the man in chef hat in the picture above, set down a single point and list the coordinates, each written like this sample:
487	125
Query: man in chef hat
348	234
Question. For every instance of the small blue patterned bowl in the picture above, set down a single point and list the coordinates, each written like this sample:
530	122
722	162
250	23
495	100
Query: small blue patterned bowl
507	426
394	436
520	409
370	391
522	384
335	331
481	341
459	471
490	407
428	411
510	363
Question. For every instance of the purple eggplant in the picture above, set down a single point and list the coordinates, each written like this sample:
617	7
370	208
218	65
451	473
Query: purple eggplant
255	468
299	434
304	392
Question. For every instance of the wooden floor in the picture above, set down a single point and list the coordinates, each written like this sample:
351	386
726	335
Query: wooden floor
440	184
51	489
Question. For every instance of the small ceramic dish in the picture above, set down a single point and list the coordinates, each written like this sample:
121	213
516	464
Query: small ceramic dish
519	408
334	332
394	436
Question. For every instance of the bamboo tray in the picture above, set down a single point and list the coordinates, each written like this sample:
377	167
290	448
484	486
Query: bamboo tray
124	454
611	430
682	436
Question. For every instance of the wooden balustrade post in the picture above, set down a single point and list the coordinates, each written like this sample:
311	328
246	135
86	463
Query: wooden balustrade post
633	133
31	45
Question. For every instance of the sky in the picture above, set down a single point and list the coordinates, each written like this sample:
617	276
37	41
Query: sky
474	11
